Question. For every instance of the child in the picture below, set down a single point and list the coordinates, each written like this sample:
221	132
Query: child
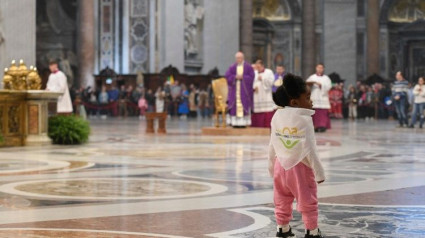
419	92
297	167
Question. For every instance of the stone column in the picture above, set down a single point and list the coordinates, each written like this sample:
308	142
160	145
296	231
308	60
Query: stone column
85	47
309	37
246	29
372	37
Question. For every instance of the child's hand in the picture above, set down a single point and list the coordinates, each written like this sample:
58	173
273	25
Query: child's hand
321	181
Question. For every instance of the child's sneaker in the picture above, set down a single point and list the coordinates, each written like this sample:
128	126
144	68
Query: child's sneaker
310	234
289	233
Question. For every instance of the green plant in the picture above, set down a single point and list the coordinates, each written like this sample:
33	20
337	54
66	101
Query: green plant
68	130
1	138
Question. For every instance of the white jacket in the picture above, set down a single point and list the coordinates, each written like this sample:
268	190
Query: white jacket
293	141
263	94
320	95
419	92
58	83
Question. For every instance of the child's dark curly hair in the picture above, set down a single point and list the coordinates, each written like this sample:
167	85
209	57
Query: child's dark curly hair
292	88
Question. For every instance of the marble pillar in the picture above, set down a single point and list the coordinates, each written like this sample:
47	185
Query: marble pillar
308	37
171	34
86	42
339	39
220	43
18	30
246	29
372	37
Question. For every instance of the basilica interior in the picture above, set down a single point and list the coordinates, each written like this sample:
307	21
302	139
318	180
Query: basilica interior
178	177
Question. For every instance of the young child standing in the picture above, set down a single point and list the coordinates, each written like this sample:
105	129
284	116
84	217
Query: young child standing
293	161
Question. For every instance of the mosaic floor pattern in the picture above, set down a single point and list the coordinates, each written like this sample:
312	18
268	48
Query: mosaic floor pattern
127	184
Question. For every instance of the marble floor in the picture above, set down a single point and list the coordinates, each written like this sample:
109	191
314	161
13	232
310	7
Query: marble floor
124	183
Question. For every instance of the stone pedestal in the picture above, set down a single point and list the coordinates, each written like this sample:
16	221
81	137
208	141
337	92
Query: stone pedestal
38	116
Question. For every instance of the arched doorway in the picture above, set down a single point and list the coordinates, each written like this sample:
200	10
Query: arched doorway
404	20
274	34
262	41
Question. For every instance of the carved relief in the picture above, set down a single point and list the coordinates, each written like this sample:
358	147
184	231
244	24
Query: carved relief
407	11
273	10
1	119
14	119
139	30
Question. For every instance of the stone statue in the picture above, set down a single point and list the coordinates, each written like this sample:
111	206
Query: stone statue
194	14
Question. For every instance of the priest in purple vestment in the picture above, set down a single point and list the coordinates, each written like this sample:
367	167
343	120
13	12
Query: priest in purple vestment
240	79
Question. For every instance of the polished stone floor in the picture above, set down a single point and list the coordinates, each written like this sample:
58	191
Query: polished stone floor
124	183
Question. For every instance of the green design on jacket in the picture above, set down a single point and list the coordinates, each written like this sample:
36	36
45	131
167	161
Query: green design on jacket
289	144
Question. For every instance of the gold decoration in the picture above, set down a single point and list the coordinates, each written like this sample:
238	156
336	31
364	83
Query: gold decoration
7	80
407	11
221	91
14	119
33	79
20	78
272	10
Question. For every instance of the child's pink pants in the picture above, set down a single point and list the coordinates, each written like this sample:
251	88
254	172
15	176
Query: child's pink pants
296	183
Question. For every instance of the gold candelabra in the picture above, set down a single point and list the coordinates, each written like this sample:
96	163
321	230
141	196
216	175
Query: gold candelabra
20	77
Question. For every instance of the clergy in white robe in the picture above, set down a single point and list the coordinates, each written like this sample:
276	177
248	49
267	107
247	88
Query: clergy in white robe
264	106
320	86
58	83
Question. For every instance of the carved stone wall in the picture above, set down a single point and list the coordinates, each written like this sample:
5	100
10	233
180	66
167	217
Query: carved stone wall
107	33
139	35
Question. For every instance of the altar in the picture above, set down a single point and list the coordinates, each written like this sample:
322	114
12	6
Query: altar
24	108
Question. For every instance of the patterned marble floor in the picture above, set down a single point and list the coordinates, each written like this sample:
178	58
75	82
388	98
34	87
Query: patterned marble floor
128	184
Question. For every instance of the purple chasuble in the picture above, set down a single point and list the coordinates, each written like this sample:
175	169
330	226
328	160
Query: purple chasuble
246	90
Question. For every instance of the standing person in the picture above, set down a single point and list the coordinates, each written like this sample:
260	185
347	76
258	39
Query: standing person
321	84
370	103
193	107
58	83
176	95
210	103
159	100
150	99
335	98
113	96
168	99
399	94
419	92
183	108
103	102
122	102
279	76
293	158
263	99
352	101
203	103
240	79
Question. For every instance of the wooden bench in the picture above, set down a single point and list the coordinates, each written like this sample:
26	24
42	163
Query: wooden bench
150	118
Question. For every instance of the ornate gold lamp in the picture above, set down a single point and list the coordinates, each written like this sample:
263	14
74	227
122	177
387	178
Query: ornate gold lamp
20	78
